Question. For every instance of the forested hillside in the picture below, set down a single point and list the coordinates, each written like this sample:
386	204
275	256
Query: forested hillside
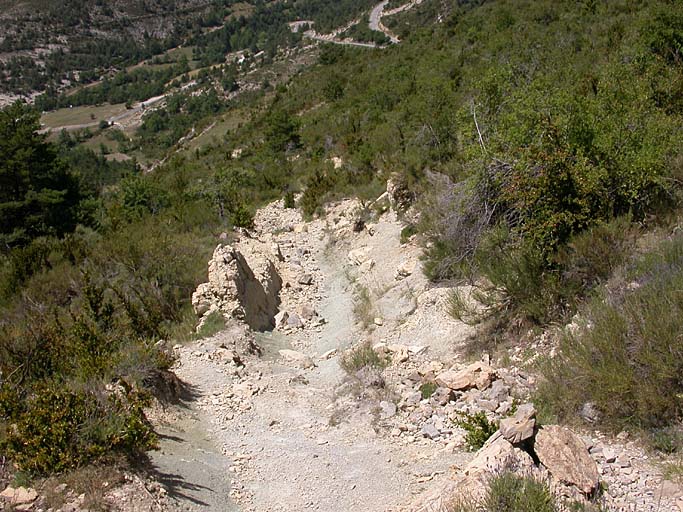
539	142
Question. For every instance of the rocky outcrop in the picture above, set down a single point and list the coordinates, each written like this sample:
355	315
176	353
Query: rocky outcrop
245	287
477	375
555	455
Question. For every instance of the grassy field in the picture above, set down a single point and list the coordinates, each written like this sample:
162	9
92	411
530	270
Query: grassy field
81	115
96	142
226	124
174	55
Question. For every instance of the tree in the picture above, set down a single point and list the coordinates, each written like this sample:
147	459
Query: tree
38	195
281	131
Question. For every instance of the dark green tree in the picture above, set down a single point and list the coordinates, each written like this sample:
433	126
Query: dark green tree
38	194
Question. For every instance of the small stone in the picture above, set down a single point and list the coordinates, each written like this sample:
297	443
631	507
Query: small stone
405	269
359	256
387	409
488	405
430	431
417	349
305	279
19	495
498	391
477	375
294	321
378	321
442	396
281	319
413	398
366	266
329	354
307	312
297	357
380	348
610	455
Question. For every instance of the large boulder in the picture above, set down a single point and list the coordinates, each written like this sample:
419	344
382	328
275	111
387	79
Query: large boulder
566	457
240	289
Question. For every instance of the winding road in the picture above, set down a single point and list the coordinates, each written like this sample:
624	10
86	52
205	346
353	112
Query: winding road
375	24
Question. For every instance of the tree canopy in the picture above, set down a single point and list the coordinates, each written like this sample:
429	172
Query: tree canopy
38	195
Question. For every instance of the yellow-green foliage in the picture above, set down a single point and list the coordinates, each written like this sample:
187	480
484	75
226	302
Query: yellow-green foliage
362	356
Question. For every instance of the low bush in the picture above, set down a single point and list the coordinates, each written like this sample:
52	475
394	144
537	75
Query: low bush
478	429
213	324
362	356
509	492
363	309
627	355
427	389
60	429
520	282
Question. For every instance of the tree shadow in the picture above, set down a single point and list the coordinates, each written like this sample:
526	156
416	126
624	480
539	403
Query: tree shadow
177	487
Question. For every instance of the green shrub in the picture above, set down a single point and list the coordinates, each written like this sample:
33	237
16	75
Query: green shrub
60	429
288	200
509	492
213	324
521	282
427	389
318	186
363	309
23	262
667	440
408	232
512	493
591	256
477	427
361	356
627	356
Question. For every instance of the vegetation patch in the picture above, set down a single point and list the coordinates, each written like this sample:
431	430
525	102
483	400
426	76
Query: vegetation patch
362	356
478	429
626	356
427	389
509	492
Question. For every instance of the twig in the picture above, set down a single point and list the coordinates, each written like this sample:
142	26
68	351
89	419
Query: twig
476	124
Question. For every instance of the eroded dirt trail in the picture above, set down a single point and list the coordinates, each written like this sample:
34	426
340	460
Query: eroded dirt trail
272	435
